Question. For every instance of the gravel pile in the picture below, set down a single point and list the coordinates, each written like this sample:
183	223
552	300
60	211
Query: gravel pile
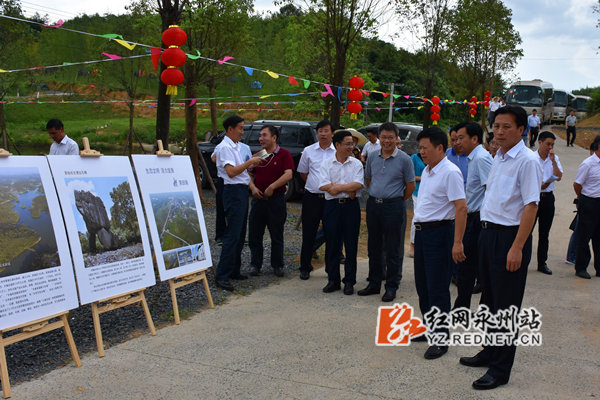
36	356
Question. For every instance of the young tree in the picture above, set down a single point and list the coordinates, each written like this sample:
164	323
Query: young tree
123	215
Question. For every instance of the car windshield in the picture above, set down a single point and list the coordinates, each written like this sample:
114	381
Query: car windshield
560	99
581	104
526	96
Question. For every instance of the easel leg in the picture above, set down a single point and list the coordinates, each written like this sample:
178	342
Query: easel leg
97	329
207	290
4	371
147	314
70	341
174	301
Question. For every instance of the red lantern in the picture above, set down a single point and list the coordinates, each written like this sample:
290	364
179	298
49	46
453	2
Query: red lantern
356	82
486	104
435	118
435	108
172	77
473	99
173	56
488	93
174	36
435	100
472	111
354	108
355	95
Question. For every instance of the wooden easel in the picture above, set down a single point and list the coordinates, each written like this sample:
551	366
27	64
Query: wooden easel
29	330
87	152
4	153
184	280
112	303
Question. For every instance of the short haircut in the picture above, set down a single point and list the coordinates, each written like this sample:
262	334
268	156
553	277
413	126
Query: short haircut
324	123
388	126
372	129
473	129
516	111
272	129
546	135
232	122
54	123
435	135
534	110
595	144
339	136
456	127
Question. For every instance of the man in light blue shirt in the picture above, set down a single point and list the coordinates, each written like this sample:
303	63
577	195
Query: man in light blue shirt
534	123
469	139
456	157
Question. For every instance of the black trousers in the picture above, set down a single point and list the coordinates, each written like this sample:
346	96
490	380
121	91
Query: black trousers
545	215
433	268
267	213
342	224
220	223
235	202
571	132
312	214
385	223
501	288
468	269
588	228
533	134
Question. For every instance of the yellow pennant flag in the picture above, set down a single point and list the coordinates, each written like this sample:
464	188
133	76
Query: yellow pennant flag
272	74
125	44
3	70
265	96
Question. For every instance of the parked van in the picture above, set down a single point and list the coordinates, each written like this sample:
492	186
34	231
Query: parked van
580	106
563	104
532	94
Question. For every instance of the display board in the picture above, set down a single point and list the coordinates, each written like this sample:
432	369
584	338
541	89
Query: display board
105	225
174	212
36	272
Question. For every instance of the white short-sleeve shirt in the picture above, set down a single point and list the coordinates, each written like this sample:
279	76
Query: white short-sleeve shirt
548	169
66	147
333	171
228	153
514	181
588	176
371	148
439	187
310	163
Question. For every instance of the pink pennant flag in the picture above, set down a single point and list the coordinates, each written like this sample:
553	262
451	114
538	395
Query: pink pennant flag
378	109
406	96
192	102
328	92
225	59
276	103
58	24
112	56
292	80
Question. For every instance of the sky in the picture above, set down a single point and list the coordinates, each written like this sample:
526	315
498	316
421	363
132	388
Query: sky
560	39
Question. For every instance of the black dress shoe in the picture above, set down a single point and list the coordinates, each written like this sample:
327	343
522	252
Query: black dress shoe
475	361
583	274
388	296
419	339
278	272
369	290
434	352
332	287
348	289
238	277
304	275
477	288
225	285
487	382
545	270
254	271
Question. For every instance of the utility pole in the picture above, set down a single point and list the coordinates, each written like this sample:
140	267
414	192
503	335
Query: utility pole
391	114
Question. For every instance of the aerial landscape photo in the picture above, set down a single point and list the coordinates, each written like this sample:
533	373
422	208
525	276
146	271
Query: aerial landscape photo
27	241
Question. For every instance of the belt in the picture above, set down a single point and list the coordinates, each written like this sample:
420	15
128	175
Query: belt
343	201
491	225
419	226
319	195
544	194
388	200
473	214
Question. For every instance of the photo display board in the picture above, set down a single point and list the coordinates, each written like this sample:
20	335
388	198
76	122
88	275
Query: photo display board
36	273
175	216
105	225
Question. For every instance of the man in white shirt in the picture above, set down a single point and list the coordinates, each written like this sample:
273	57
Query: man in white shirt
62	145
507	217
570	123
534	127
587	188
372	146
232	169
313	200
551	171
469	137
340	178
440	217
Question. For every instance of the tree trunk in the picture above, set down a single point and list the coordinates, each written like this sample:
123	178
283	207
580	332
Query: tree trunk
426	104
212	90
163	111
131	131
3	128
191	133
338	81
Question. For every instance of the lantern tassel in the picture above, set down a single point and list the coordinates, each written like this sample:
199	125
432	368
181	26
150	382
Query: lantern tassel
171	90
434	122
353	116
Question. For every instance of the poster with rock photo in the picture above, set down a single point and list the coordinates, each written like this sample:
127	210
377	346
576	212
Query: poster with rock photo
174	213
105	225
36	273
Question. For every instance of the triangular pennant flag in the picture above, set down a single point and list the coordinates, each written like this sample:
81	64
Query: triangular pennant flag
68	63
327	91
192	102
365	92
265	96
385	95
125	44
406	96
276	103
194	57
340	93
3	70
396	96
155	56
378	109
225	59
111	36
272	74
292	80
111	56
249	70
306	84
58	24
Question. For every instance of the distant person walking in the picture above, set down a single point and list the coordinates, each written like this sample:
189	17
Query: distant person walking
62	145
570	123
534	123
372	146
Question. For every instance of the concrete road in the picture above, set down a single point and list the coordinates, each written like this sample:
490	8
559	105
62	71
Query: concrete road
291	341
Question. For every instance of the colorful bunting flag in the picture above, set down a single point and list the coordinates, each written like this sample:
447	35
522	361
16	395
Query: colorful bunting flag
225	59
127	45
327	91
292	80
111	56
249	70
57	25
272	74
155	56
